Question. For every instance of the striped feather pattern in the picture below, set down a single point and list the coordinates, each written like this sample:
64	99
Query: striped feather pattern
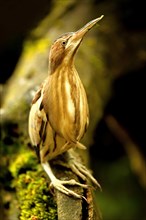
59	114
65	103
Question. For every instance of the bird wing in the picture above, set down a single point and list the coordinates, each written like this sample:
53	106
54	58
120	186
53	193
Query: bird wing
47	142
37	119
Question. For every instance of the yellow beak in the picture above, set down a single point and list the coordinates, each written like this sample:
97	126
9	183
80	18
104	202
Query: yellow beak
78	35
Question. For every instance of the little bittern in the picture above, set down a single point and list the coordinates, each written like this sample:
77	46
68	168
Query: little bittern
59	114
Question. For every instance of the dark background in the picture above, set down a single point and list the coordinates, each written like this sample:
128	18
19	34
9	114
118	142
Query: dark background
17	19
127	104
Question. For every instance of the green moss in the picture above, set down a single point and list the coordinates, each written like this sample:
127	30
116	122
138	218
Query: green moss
32	190
24	179
38	45
24	161
34	198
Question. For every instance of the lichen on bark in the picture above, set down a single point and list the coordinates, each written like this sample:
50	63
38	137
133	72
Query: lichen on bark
35	200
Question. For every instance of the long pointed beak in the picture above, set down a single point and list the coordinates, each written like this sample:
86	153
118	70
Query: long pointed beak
75	38
78	35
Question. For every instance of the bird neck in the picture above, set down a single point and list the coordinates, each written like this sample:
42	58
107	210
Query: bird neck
64	66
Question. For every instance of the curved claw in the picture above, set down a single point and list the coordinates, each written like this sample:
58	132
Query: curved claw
59	185
81	171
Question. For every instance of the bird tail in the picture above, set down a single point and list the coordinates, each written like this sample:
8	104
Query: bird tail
80	146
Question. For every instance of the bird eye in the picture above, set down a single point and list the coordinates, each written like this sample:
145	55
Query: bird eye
64	43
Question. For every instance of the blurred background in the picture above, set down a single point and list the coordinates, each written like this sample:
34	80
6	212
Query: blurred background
112	65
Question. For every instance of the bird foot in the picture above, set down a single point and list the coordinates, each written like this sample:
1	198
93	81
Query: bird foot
81	171
59	185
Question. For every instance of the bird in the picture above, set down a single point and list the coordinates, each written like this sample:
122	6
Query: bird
59	115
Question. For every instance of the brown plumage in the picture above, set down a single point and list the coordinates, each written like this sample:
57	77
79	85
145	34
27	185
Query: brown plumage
59	115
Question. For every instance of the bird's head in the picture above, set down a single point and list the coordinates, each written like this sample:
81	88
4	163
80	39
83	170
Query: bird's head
64	48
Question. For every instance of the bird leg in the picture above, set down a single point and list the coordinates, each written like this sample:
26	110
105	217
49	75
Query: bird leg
59	184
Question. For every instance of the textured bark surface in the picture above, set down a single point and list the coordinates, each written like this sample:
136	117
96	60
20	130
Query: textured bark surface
69	207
